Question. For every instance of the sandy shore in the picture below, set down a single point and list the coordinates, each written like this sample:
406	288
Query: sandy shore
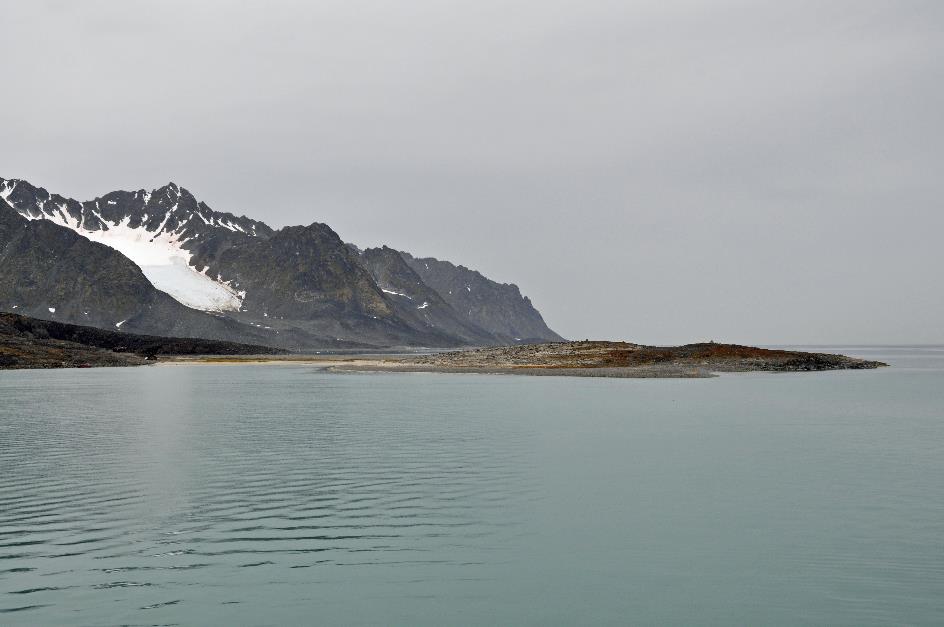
323	361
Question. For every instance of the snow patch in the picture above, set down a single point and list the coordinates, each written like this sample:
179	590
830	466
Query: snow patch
163	261
424	305
52	310
7	189
192	288
386	291
118	324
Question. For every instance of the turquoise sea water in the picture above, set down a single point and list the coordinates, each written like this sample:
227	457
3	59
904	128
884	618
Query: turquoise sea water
271	495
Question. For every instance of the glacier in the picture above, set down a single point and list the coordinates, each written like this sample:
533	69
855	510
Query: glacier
159	254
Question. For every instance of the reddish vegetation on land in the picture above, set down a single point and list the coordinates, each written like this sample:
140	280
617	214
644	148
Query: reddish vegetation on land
621	357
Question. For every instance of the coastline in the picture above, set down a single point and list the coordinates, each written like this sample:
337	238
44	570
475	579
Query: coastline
572	359
372	366
368	367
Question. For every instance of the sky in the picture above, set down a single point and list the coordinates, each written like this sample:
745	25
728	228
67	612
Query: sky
658	171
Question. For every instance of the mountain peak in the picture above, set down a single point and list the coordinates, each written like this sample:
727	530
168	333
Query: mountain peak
171	190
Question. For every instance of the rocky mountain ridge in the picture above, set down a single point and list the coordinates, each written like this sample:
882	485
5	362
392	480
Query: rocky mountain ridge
234	278
515	321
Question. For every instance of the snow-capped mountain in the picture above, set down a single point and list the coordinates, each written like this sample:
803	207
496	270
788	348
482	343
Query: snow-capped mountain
49	271
158	230
298	287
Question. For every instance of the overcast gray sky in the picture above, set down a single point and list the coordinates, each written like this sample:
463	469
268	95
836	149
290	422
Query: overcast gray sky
657	171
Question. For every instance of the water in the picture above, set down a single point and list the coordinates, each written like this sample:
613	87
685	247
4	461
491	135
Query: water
270	495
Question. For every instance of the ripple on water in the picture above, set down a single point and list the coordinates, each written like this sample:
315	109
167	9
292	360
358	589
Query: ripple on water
273	495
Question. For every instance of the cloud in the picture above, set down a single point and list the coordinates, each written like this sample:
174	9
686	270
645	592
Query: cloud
657	171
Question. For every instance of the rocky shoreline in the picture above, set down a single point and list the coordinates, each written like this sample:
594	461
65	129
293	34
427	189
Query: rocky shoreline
575	359
30	343
618	360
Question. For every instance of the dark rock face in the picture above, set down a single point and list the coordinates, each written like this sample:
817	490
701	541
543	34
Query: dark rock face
307	278
498	308
302	272
300	287
415	301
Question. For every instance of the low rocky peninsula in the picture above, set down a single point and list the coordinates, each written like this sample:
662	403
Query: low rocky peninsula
582	359
622	359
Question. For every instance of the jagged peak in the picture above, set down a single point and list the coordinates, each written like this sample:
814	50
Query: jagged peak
7	186
315	229
171	190
474	274
382	251
170	194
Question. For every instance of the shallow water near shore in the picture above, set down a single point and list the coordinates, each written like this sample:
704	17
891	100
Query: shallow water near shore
223	495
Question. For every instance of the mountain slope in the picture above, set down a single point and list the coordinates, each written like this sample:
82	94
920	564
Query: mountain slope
498	308
414	300
307	276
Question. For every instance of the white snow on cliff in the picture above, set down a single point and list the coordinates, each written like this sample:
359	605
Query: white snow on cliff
7	188
386	291
163	261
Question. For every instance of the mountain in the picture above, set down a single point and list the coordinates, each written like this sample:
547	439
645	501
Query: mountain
498	308
306	277
163	262
415	301
49	271
161	231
